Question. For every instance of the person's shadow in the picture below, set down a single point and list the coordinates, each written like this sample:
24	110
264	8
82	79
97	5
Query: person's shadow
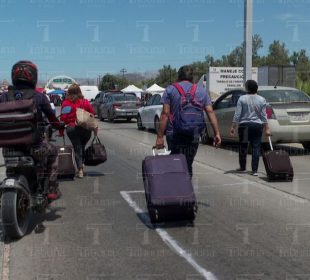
37	220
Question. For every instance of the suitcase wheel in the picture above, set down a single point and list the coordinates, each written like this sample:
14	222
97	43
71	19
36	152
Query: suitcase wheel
154	217
289	178
191	214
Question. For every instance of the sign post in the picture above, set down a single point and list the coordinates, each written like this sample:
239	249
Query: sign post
248	23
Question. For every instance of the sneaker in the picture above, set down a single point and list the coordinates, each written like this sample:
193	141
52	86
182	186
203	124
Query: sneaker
80	173
254	173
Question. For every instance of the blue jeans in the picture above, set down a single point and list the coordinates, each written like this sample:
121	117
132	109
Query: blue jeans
250	133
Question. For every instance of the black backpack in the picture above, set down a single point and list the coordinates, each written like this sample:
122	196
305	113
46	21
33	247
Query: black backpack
18	118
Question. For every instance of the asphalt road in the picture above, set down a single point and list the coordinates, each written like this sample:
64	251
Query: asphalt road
246	228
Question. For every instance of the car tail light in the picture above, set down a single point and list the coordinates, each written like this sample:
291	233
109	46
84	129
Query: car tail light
270	113
116	106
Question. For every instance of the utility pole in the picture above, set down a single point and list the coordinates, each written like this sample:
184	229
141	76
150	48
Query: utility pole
123	71
248	29
98	81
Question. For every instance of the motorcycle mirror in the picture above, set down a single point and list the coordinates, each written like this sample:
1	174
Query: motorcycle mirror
66	110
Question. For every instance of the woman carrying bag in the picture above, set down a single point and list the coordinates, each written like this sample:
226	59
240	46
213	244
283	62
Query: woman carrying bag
78	135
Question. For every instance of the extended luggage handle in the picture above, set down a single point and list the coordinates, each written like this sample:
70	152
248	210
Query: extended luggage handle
270	143
165	151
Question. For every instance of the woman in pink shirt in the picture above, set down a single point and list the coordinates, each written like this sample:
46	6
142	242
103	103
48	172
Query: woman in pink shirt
78	135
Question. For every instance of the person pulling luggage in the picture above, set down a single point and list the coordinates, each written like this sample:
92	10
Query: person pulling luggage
251	118
79	136
182	117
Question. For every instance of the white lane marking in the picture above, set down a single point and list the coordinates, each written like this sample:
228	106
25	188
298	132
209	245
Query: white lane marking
167	238
6	262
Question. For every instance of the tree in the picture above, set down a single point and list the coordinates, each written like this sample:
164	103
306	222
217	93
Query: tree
111	82
200	68
166	76
108	82
122	82
235	57
278	54
302	64
210	61
256	45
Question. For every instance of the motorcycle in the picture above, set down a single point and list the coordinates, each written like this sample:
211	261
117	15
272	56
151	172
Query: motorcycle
23	191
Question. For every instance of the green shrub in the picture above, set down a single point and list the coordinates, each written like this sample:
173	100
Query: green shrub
304	86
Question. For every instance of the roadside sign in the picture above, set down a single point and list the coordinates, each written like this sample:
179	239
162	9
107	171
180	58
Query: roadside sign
222	79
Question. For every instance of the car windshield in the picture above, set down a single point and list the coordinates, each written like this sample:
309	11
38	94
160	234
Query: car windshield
124	97
284	96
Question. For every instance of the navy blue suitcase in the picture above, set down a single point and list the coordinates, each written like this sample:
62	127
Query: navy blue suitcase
168	188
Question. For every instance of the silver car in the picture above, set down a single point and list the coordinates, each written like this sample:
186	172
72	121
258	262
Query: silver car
149	113
119	106
288	113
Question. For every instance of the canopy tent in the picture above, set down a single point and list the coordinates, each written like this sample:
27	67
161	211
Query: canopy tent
134	89
155	88
89	92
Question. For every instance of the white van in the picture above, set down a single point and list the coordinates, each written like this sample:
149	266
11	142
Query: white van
89	92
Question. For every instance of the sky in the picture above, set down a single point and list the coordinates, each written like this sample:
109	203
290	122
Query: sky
88	38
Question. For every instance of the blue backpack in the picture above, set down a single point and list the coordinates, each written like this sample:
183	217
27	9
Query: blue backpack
189	119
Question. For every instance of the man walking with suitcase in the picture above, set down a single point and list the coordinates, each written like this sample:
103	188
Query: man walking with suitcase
182	117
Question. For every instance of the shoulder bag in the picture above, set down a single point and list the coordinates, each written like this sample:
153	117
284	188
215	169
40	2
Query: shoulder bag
85	119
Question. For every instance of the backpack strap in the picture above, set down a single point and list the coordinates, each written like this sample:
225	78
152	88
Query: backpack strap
181	90
193	90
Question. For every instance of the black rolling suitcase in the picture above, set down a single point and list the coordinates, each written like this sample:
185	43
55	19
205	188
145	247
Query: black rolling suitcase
66	161
168	188
278	164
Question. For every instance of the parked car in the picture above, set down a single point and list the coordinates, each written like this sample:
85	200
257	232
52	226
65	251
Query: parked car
99	99
149	113
118	106
288	113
